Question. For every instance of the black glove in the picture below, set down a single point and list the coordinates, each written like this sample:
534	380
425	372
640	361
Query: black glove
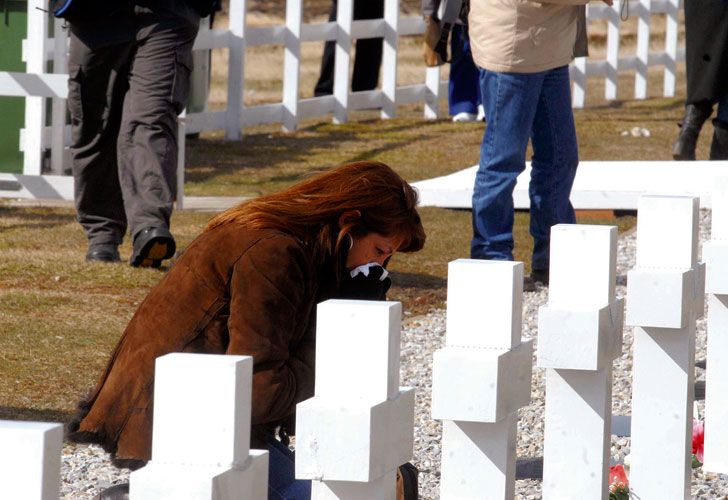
373	286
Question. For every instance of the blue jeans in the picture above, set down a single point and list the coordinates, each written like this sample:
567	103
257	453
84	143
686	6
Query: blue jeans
722	115
463	87
520	106
282	482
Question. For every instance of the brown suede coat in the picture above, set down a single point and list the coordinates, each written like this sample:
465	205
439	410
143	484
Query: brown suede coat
234	291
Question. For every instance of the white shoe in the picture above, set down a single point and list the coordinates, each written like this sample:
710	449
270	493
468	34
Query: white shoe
481	113
464	116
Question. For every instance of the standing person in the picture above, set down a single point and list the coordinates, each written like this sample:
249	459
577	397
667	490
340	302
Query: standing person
524	48
463	97
249	285
368	56
706	60
129	71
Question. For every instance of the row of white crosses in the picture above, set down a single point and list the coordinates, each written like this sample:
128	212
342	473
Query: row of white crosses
358	428
580	334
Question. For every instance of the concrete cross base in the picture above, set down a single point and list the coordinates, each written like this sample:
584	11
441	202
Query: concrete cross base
481	385
478	459
159	481
382	488
351	442
586	339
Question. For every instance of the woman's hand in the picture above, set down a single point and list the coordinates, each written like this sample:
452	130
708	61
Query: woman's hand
372	285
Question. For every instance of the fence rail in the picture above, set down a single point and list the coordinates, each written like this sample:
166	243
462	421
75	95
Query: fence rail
39	49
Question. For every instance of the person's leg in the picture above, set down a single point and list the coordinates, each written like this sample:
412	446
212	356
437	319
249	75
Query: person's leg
325	83
282	482
463	87
510	104
719	144
554	162
368	55
696	114
147	149
96	88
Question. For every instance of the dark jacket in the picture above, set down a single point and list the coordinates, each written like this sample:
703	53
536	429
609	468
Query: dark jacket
706	49
233	291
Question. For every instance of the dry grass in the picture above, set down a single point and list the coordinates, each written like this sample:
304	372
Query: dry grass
61	317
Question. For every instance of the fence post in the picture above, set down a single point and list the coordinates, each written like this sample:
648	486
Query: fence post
292	64
665	297
35	108
358	428
342	60
236	64
432	93
643	49
201	437
580	334
671	31
612	78
481	378
715	254
389	59
58	128
30	460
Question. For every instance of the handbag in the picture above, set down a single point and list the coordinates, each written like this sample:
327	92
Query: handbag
437	30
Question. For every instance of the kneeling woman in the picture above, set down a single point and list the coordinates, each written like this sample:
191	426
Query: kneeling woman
249	285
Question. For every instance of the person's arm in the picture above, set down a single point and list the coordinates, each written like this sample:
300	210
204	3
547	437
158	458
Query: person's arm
268	300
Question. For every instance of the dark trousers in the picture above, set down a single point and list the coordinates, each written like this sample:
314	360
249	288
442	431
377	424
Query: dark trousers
124	100
282	482
464	84
368	56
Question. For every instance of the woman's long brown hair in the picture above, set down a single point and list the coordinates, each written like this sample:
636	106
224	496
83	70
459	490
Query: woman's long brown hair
310	210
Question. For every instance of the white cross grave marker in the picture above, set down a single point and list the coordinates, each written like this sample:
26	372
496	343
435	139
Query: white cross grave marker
201	437
580	334
481	378
358	428
664	298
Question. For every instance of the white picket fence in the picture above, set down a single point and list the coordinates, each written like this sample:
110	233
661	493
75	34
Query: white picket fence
349	443
36	85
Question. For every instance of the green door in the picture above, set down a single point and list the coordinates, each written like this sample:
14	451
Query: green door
13	25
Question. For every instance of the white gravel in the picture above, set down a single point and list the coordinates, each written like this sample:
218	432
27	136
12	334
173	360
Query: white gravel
86	469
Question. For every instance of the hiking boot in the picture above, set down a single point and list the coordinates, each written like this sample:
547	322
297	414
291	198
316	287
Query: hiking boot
538	277
719	146
116	492
151	246
695	115
104	252
407	488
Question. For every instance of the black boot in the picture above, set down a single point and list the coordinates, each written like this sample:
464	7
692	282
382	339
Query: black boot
719	146
116	492
692	122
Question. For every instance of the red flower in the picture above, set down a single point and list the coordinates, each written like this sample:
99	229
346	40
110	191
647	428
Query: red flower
698	437
618	477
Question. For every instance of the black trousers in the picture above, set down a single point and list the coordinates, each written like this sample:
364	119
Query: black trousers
124	99
368	56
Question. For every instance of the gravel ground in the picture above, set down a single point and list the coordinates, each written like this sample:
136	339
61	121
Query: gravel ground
86	469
